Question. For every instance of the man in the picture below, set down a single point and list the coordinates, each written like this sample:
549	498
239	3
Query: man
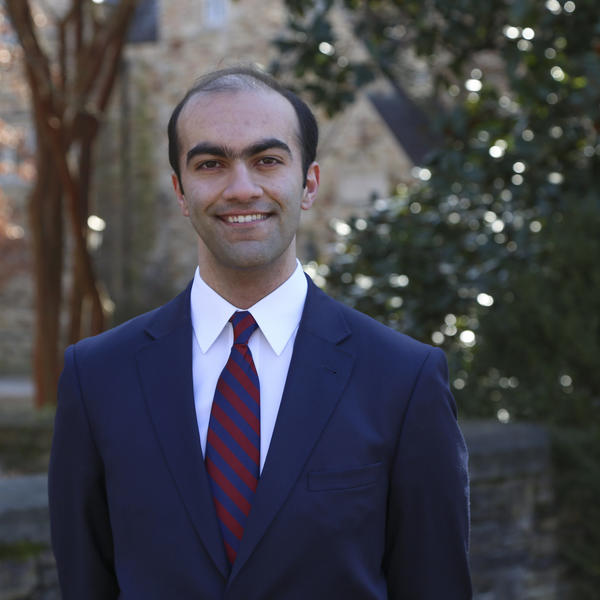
300	451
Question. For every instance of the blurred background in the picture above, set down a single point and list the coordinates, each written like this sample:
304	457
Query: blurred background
460	203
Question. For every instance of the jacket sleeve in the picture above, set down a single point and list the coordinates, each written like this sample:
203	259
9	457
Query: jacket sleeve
428	510
79	519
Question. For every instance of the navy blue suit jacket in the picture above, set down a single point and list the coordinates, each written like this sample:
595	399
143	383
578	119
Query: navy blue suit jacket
363	495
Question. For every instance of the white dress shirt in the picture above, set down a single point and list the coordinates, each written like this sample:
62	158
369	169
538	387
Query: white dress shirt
278	316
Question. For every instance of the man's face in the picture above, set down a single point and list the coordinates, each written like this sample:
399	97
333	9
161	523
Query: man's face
241	171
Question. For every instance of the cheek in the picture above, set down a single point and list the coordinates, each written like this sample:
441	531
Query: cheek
198	198
288	194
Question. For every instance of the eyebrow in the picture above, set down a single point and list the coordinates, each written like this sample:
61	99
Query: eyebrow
227	152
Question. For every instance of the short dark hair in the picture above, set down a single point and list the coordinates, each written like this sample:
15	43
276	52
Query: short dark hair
247	78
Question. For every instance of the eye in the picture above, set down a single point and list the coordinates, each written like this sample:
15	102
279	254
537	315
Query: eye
269	161
208	164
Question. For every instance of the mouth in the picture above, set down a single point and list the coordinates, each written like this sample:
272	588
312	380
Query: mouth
251	218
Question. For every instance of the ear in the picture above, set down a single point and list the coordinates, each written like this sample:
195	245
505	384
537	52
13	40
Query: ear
309	194
180	197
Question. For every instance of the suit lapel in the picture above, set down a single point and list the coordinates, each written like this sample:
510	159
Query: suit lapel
165	369
317	376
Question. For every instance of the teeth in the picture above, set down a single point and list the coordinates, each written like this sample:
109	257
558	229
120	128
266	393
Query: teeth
245	218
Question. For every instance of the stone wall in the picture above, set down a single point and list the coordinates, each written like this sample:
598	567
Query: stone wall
27	567
514	552
513	542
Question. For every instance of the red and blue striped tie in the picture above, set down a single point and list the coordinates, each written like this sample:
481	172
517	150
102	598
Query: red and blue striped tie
233	441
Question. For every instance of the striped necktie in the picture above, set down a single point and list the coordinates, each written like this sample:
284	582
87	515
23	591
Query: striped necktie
233	441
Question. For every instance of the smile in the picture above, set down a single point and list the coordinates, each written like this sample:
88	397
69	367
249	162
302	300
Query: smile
246	218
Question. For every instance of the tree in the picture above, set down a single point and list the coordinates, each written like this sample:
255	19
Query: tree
493	253
505	196
70	75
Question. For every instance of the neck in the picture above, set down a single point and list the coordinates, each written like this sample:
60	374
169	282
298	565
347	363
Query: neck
244	287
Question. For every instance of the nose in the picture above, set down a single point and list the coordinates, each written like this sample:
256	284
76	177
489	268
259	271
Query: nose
241	185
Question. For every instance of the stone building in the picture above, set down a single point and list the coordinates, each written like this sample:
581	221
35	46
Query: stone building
147	252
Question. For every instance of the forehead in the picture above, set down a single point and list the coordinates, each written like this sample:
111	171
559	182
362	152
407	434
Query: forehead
237	118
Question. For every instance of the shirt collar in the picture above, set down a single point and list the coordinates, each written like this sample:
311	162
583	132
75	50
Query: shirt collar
277	314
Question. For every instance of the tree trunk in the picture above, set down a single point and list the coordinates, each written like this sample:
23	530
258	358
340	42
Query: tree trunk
80	296
69	98
45	215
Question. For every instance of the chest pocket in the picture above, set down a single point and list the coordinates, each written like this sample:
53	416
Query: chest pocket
343	479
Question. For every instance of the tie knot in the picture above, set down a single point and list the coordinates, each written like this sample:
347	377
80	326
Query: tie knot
244	326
